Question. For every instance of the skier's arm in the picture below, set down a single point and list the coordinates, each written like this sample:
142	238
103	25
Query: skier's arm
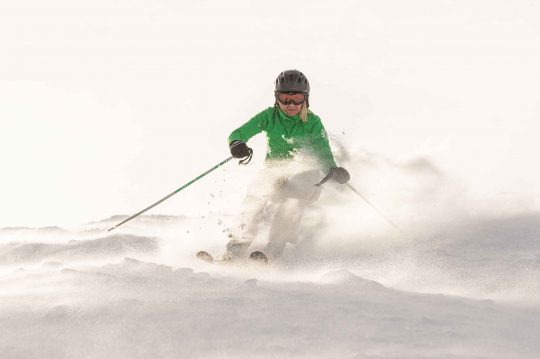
321	147
249	129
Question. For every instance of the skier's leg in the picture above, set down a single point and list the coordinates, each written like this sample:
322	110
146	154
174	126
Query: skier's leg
285	226
294	197
254	205
244	232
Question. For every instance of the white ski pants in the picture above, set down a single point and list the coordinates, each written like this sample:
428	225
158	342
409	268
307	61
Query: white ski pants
278	197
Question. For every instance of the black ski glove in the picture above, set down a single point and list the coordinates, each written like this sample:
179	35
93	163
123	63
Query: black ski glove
239	149
339	174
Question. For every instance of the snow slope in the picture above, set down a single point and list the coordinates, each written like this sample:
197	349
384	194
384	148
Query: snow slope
139	293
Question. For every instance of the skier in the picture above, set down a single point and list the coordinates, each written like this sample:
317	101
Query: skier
298	155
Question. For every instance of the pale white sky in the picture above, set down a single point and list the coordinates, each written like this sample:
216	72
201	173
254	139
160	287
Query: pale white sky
107	106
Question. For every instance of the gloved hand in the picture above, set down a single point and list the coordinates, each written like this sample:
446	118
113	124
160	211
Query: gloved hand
339	174
239	149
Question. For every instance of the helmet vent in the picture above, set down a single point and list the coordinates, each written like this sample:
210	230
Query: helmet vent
292	81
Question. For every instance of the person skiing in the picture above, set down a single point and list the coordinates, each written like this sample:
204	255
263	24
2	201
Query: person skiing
298	155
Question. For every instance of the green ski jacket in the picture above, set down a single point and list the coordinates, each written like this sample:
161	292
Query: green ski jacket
288	135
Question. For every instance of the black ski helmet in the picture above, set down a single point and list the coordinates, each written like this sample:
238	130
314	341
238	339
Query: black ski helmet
292	81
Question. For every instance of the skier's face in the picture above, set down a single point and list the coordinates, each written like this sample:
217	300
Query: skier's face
291	104
290	109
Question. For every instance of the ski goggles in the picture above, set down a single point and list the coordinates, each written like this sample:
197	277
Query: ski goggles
296	98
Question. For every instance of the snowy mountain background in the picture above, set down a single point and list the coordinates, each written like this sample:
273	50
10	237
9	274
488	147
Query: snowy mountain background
106	107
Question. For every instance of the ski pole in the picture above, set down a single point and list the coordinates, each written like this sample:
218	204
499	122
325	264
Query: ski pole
171	194
375	208
327	177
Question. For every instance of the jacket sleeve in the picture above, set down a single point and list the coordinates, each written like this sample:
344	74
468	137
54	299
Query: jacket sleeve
255	125
321	146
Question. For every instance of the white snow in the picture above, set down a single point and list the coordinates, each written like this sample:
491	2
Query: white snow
131	295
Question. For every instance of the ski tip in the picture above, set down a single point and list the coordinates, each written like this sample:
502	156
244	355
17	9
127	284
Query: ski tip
259	257
205	256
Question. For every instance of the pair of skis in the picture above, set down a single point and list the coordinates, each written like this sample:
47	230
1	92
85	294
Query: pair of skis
256	257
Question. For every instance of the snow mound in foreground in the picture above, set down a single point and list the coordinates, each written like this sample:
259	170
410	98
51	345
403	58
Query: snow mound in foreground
106	247
344	277
135	309
331	296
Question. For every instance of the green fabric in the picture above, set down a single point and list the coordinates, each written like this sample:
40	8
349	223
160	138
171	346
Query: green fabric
287	135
